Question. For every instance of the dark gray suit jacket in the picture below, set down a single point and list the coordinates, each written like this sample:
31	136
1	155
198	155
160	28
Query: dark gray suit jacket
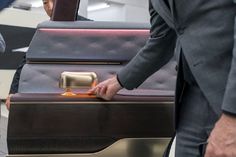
204	31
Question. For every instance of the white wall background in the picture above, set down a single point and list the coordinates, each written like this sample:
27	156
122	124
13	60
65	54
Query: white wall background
122	10
116	12
136	14
119	10
83	8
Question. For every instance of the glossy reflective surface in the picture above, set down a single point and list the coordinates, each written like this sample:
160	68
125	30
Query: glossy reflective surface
77	79
152	147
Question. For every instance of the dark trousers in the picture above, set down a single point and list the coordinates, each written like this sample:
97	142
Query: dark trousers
196	118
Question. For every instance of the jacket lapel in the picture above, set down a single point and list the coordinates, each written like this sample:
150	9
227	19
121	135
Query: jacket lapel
163	10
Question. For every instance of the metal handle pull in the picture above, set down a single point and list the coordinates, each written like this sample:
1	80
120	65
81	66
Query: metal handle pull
77	80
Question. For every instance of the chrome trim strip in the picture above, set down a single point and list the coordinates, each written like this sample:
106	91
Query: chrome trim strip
129	147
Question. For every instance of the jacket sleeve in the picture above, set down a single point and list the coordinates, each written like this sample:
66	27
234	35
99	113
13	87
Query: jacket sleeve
229	101
2	44
157	51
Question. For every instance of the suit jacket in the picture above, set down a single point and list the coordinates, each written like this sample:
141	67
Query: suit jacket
204	32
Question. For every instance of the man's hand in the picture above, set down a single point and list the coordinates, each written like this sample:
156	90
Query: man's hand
48	6
107	89
8	101
222	141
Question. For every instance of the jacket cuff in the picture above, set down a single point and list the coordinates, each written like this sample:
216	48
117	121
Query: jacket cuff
229	113
117	77
123	80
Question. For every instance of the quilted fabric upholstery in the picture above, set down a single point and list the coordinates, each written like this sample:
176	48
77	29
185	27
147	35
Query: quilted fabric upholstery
44	78
86	44
64	42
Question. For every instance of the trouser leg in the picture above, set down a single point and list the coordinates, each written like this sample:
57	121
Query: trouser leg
196	118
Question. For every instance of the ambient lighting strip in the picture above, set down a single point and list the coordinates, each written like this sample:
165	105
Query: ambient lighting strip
98	31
